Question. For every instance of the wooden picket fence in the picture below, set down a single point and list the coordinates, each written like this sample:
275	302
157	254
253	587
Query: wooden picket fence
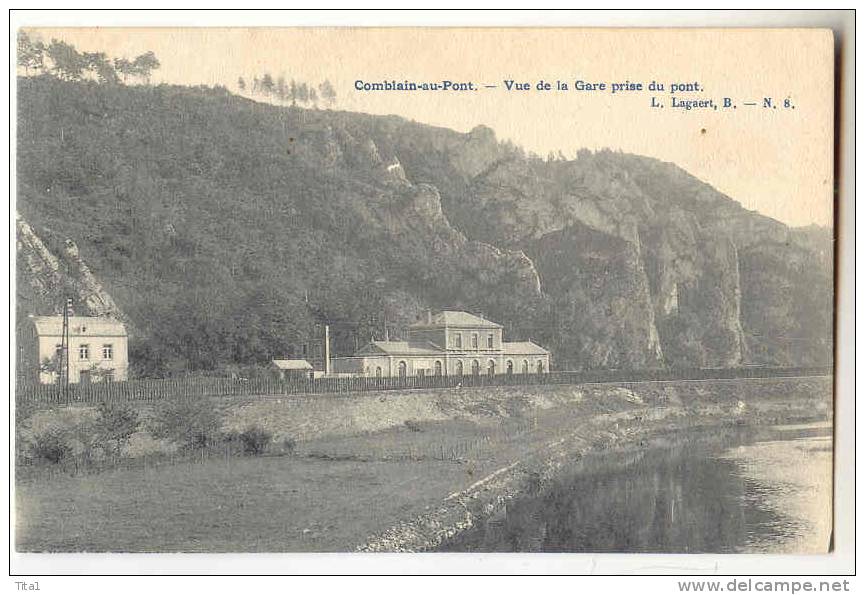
198	386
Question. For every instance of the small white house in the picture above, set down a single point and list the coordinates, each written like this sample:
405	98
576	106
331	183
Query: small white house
98	349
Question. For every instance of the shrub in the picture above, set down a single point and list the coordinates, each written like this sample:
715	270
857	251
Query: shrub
231	436
192	423
51	445
413	425
289	444
115	425
255	440
84	433
24	409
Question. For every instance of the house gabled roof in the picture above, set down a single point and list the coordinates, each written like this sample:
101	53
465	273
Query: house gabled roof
292	364
455	318
400	348
79	326
523	348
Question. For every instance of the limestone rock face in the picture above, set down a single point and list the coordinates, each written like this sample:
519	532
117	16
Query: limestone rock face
53	278
601	306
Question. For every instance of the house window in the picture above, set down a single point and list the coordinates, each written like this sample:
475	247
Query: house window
458	340
84	352
510	367
525	366
438	368
476	368
58	350
474	340
540	367
489	341
378	371
459	369
108	351
491	368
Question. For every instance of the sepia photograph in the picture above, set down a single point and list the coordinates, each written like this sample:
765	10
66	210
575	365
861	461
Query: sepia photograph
423	290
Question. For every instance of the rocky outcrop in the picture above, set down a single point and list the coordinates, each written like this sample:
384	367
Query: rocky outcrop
55	278
42	268
602	308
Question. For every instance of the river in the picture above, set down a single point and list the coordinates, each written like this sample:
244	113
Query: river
717	491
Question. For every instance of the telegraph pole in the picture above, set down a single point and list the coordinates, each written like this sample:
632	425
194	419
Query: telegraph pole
64	349
327	350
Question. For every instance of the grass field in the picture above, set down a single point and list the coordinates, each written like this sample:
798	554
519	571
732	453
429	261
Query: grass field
255	505
327	497
338	488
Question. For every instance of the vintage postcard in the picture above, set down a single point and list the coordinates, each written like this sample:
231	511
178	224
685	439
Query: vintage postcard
423	290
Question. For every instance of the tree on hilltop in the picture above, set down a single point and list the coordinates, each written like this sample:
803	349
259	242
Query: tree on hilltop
124	67
144	65
267	85
328	93
31	54
293	91
303	93
68	64
281	89
101	67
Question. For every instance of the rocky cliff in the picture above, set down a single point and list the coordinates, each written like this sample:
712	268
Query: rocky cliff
225	229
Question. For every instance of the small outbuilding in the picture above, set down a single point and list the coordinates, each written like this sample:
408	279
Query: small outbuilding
293	369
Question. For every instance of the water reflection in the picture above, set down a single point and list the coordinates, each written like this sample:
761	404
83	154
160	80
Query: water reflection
687	497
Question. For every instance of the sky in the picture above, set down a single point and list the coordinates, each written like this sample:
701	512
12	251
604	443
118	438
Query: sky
778	161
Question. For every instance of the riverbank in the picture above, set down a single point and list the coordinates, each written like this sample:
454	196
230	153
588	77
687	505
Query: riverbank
624	432
362	478
736	489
